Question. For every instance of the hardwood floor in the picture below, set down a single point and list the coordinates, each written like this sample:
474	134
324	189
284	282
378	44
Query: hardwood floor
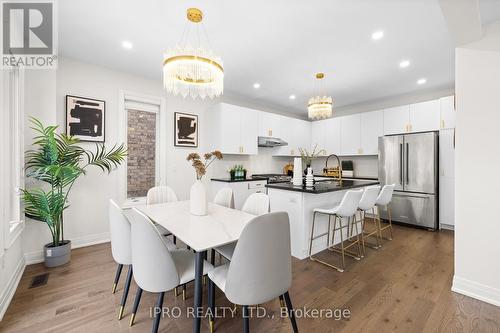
404	287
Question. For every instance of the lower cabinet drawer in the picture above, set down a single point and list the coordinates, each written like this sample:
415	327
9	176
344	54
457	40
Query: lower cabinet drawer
257	185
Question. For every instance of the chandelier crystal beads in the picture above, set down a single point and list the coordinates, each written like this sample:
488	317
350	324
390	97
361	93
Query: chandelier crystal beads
320	107
193	70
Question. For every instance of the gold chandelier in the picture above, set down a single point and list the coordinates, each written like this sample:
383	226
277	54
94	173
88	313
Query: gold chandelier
320	107
193	69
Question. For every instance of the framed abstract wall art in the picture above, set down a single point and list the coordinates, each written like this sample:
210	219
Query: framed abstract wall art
85	118
185	130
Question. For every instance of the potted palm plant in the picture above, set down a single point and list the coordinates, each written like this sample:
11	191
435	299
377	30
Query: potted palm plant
57	161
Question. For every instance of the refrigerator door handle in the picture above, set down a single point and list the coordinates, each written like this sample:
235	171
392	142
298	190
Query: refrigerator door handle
401	163
407	163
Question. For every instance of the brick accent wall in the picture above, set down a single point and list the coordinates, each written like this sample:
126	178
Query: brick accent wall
141	141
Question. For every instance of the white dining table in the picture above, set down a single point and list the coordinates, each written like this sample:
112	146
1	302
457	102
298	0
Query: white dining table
201	233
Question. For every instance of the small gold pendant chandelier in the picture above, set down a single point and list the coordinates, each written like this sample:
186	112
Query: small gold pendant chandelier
320	106
193	69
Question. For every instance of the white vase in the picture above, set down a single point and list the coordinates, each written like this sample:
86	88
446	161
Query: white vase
198	199
297	171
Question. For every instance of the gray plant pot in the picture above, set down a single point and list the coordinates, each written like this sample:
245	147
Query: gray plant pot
58	255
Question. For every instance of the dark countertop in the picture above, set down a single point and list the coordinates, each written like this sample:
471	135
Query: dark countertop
324	186
350	178
228	180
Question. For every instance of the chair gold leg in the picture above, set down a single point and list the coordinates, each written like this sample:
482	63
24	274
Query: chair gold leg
184	292
120	314
175	292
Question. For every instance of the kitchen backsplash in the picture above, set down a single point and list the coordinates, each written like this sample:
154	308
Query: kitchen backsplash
264	162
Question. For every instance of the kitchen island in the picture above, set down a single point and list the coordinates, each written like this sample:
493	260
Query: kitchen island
300	201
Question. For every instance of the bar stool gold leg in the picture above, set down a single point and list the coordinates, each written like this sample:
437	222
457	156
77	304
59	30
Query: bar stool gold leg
390	219
376	220
362	214
342	242
360	254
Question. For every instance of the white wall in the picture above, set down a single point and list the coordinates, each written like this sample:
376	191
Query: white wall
477	272
86	219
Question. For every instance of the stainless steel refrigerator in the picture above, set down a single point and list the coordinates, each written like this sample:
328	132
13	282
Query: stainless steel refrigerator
410	161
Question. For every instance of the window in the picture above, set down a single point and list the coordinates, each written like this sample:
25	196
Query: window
143	143
141	159
12	171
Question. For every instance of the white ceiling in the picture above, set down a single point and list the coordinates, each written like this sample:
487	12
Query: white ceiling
278	43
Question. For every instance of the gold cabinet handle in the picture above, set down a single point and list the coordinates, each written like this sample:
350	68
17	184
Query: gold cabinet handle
442	123
270	131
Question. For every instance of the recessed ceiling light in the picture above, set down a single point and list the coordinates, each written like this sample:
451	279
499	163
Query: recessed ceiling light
404	63
127	45
378	35
256	85
422	81
292	97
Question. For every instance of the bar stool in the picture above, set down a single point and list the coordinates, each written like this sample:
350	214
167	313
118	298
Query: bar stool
384	199
367	203
346	209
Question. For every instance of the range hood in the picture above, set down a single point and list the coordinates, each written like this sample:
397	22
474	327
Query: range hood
265	141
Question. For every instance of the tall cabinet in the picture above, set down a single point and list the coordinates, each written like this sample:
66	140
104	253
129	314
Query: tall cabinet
233	129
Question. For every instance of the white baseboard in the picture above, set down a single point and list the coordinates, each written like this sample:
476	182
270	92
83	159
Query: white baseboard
36	257
476	290
447	226
11	287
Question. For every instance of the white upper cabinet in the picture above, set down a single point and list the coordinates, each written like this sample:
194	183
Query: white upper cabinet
350	134
302	136
286	133
448	114
396	120
318	134
425	116
228	131
249	127
270	124
372	127
233	129
297	133
332	136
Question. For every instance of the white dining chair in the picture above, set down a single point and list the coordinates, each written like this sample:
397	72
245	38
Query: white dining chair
345	210
119	231
161	194
256	204
257	274
224	197
366	204
384	199
156	268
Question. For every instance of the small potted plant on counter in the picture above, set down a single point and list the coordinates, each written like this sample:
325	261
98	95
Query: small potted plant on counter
238	172
57	161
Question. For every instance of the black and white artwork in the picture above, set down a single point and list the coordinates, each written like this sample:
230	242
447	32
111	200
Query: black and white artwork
85	118
185	130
